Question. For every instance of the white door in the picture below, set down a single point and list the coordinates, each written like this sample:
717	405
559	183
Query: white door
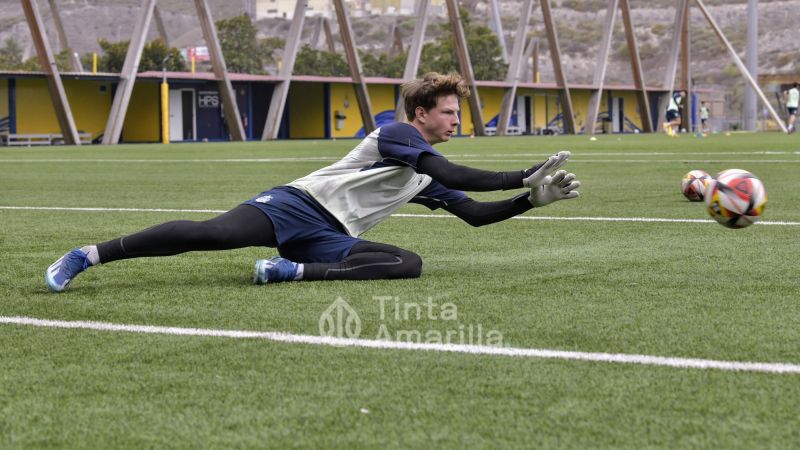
175	115
522	117
616	114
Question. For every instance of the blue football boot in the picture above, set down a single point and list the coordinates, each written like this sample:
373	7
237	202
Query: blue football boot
274	270
65	269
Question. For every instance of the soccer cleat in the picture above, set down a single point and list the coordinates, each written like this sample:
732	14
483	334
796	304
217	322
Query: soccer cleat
65	269
274	270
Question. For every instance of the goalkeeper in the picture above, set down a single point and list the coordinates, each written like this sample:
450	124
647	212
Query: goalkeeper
315	221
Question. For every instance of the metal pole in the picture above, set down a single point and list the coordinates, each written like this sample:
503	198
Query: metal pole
672	62
229	106
414	52
127	78
558	69
600	68
326	27
465	64
740	65
280	94
497	26
636	68
751	58
164	105
45	54
686	73
356	71
162	30
513	75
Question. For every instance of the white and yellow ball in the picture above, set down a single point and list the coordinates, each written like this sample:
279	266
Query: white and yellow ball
694	184
735	198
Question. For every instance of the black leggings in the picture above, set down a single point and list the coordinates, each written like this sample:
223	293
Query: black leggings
246	226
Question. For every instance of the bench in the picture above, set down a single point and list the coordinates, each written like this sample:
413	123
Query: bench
32	139
58	139
512	130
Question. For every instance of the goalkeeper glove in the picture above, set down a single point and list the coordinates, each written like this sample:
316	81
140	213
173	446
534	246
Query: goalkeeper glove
546	188
536	174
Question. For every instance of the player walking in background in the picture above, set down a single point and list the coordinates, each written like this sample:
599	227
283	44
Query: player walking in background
673	122
315	221
705	112
792	102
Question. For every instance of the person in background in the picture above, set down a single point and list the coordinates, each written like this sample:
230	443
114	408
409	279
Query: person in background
673	123
705	112
792	101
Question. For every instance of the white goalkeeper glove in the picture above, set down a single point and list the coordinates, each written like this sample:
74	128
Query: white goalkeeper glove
547	168
546	188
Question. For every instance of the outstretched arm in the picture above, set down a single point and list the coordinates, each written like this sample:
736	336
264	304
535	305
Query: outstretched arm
463	178
401	144
545	189
478	214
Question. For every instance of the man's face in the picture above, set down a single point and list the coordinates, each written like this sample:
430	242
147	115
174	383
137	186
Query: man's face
440	122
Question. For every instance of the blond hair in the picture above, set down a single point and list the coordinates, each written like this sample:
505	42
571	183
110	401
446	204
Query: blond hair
426	91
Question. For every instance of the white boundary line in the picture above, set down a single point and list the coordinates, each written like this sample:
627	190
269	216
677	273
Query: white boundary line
412	216
89	209
645	161
158	161
274	336
590	153
599	219
492	159
579	154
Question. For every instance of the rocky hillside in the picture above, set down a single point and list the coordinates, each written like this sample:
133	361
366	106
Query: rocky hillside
579	24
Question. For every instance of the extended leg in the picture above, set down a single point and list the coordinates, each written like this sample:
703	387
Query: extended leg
243	226
366	261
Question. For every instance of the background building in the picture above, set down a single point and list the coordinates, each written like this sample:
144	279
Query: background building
284	9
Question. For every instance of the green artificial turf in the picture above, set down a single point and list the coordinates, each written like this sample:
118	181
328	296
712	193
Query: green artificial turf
693	290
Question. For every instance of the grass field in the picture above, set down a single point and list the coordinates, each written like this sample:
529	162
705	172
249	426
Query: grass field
672	289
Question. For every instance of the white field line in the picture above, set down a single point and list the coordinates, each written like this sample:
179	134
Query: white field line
448	155
600	219
159	161
459	160
63	208
412	216
585	153
289	338
645	161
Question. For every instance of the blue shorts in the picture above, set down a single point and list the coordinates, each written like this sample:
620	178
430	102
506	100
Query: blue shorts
672	115
792	111
306	232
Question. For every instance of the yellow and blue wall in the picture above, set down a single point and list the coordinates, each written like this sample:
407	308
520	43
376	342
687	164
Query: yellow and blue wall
314	110
27	105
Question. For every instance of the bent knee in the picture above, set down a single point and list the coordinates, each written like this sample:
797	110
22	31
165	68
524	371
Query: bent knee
412	265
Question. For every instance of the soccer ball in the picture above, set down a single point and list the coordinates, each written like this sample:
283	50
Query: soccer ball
735	198
694	184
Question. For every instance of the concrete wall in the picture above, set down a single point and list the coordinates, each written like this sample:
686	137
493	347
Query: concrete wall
90	102
143	120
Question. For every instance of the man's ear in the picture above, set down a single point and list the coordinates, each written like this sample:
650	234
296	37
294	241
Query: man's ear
419	113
